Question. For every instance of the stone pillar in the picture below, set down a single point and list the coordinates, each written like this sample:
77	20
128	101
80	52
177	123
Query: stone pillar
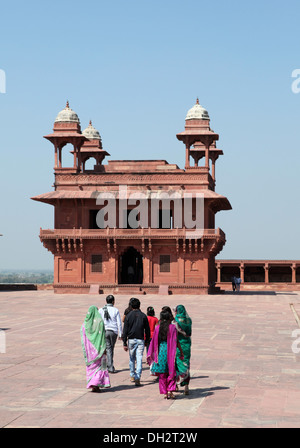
213	166
207	156
75	157
181	267
56	269
187	156
213	169
79	164
266	273
81	265
151	269
218	273
146	269
55	155
59	157
294	267
242	269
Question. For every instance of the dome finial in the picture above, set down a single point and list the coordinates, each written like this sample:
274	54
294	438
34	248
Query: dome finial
67	115
197	112
91	133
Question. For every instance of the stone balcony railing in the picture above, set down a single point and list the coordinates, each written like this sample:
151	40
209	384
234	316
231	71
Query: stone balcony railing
132	233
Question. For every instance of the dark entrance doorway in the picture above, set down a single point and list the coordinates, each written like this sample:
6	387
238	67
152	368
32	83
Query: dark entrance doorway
131	267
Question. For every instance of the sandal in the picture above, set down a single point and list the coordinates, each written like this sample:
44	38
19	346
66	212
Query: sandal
171	396
96	389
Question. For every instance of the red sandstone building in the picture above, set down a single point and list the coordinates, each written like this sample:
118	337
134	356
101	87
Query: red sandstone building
168	256
165	257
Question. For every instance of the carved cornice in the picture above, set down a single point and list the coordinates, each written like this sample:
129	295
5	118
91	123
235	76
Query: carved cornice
125	286
63	245
165	178
140	233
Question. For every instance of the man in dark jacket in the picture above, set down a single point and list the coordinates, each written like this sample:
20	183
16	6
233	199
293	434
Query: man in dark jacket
136	327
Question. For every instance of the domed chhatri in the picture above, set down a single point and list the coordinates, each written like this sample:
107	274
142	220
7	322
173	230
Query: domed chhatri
67	115
91	133
197	112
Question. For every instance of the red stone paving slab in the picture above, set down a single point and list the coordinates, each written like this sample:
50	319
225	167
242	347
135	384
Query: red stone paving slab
7	417
204	422
172	422
31	418
244	373
65	420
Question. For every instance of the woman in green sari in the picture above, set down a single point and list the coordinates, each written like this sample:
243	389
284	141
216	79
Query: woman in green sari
184	327
94	350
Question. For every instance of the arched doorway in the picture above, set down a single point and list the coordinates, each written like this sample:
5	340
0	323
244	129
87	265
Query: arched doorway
131	267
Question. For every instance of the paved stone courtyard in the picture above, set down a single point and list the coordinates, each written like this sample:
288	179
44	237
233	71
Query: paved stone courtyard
244	372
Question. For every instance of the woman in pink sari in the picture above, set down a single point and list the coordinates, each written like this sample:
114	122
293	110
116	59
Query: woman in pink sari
94	350
161	355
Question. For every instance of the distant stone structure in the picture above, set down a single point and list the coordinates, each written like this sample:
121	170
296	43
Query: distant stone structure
279	275
130	226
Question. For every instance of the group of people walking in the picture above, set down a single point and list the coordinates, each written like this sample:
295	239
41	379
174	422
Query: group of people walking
167	341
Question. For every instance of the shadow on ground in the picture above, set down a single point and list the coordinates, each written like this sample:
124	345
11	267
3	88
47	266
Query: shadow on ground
199	393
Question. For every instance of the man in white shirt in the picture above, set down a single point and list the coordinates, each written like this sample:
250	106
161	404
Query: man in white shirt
113	329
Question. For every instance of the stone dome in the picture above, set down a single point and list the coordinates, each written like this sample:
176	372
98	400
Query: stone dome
197	112
67	115
91	133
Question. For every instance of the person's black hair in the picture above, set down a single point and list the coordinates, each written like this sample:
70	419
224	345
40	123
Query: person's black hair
110	299
129	308
135	303
150	311
165	321
168	309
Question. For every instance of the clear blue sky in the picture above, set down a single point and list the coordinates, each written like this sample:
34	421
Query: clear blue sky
135	68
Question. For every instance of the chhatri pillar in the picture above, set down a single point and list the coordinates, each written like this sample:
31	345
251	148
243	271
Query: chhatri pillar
197	131
200	141
66	130
92	148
